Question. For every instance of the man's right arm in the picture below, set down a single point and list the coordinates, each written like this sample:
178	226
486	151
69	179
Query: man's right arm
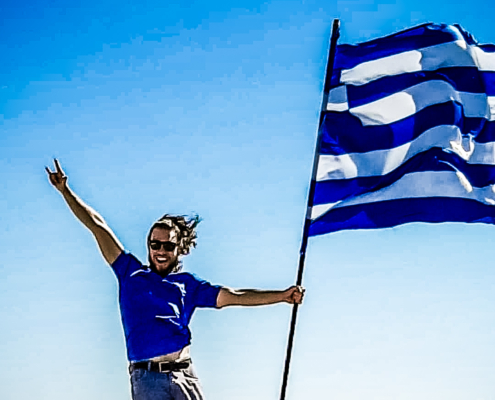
108	243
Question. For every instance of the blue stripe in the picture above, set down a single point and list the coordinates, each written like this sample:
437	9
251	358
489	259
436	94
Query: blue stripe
348	56
434	159
487	133
488	78
463	79
397	212
487	48
342	133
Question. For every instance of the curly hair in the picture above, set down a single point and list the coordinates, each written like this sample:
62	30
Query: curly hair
185	229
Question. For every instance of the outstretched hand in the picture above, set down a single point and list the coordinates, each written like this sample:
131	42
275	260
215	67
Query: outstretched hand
294	294
57	178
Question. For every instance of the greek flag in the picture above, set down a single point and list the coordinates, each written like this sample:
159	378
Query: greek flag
408	134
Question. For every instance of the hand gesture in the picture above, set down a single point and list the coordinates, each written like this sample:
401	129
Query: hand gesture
294	294
57	178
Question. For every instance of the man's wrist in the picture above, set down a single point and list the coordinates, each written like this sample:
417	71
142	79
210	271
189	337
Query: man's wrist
64	190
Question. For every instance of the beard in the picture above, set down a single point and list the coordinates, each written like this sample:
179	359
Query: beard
173	267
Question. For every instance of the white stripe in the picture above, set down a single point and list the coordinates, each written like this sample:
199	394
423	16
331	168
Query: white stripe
344	166
424	185
381	162
403	104
484	153
339	107
337	99
484	61
445	55
319	210
428	58
491	105
409	61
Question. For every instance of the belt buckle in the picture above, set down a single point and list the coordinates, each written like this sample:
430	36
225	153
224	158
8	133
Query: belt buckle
163	364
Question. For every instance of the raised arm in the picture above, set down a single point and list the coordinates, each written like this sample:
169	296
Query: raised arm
108	243
252	297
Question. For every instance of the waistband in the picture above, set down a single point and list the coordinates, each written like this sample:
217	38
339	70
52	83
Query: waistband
155	366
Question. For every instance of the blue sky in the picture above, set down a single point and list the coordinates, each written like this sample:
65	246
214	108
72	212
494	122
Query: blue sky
209	108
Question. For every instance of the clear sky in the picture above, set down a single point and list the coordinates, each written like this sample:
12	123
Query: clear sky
206	107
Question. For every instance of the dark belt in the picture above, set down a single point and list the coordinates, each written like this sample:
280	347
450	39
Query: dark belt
155	366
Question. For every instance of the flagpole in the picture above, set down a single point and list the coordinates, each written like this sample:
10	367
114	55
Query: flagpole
304	242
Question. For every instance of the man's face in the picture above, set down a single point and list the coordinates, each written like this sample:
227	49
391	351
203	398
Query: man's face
159	247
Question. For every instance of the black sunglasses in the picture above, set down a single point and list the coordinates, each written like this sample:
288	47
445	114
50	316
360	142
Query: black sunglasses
167	246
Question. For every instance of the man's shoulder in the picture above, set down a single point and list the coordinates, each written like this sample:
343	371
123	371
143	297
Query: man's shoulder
127	257
125	264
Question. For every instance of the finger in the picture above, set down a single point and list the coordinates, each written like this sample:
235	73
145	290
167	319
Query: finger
53	180
48	171
295	296
57	166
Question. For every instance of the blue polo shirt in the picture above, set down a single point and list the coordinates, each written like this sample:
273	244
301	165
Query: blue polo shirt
156	311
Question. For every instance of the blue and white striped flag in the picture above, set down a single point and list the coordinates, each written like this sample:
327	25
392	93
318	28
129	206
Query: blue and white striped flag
408	133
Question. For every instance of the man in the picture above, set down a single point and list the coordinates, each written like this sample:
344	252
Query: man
157	301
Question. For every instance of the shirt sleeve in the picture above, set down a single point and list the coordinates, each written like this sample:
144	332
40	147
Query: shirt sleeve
125	264
205	294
